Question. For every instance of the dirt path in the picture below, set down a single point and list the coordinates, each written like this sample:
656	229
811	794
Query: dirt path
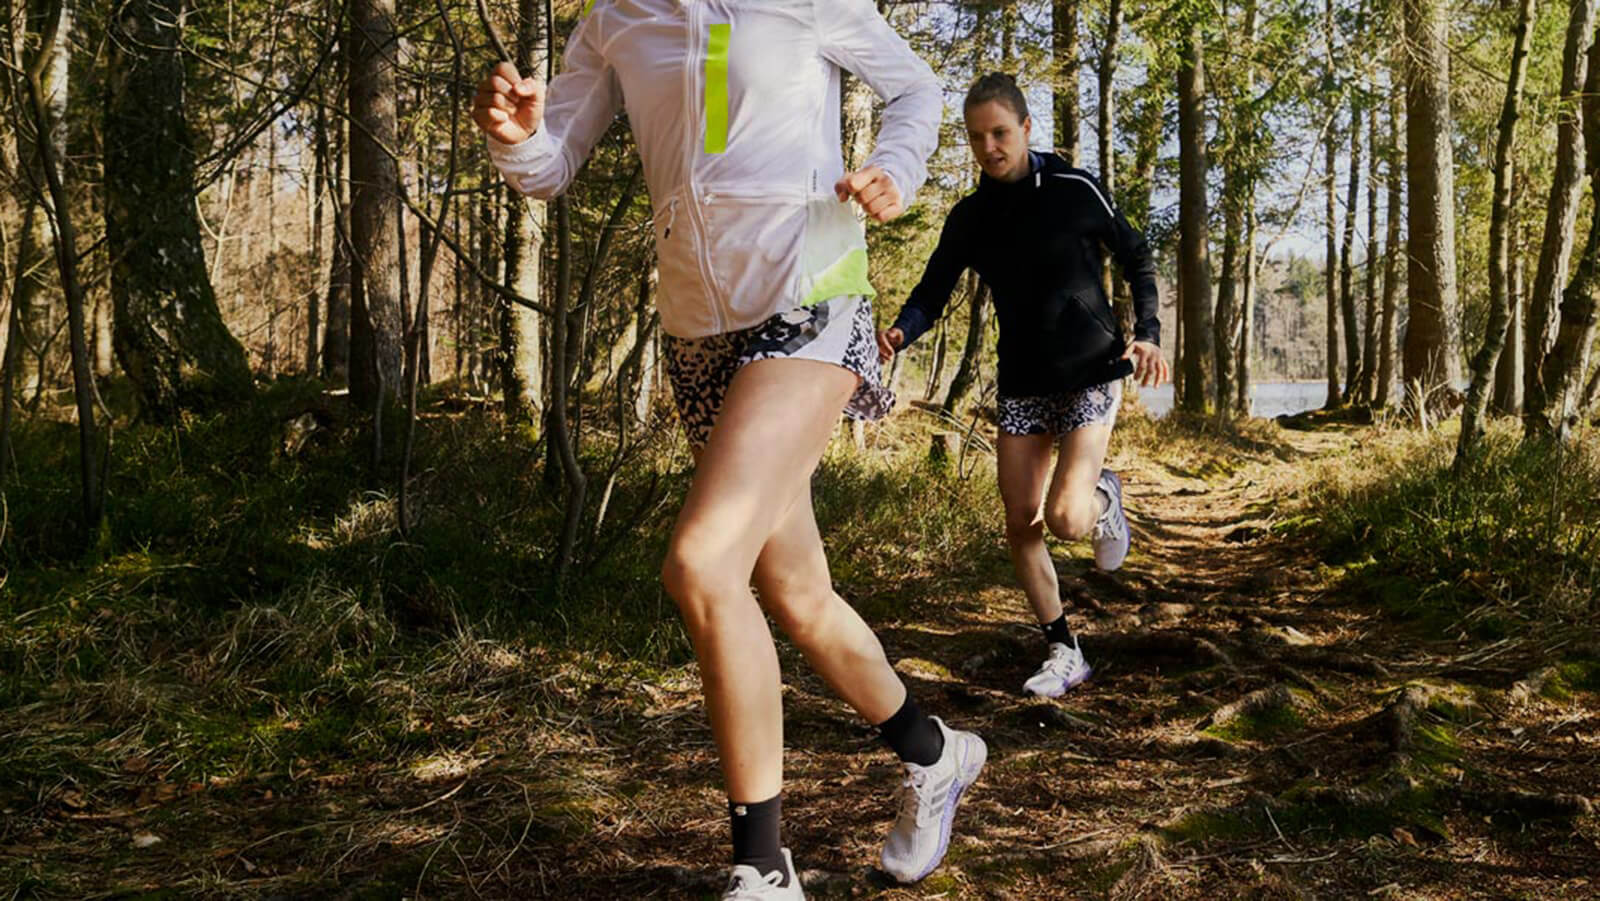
1251	731
1248	733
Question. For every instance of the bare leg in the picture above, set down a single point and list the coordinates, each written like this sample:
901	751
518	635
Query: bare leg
1023	464
1072	505
792	578
773	427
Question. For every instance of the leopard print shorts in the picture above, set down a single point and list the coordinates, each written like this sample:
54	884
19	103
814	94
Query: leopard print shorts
838	331
1058	414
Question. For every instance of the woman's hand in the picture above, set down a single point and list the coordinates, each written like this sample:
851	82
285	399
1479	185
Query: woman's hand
874	190
889	341
507	106
1149	366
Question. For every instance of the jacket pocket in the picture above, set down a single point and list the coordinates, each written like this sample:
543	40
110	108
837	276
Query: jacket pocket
754	250
1098	310
834	262
685	309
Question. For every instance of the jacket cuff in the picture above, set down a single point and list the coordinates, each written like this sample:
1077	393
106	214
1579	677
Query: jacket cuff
913	323
1148	330
522	158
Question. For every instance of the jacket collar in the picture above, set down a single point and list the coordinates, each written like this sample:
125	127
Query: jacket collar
1038	165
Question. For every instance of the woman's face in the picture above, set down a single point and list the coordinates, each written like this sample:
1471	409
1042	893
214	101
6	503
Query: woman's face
999	142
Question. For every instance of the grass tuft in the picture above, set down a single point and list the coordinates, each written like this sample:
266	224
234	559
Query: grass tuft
1513	539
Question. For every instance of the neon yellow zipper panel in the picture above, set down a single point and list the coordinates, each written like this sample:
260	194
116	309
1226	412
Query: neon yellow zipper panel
717	88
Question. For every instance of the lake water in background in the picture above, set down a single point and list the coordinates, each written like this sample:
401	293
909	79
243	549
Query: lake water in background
1269	399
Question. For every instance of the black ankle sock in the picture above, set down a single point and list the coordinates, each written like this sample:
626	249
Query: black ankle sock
1057	632
913	735
755	835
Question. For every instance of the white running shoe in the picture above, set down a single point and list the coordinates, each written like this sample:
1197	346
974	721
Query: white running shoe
1063	670
1110	535
746	884
927	798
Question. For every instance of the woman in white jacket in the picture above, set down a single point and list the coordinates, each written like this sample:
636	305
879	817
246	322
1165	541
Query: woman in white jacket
765	300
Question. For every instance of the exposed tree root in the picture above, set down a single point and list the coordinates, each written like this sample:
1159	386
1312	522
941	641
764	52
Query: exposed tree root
1257	704
1530	805
1148	874
1179	644
1531	686
1400	721
1289	673
1064	851
1321	657
1202	746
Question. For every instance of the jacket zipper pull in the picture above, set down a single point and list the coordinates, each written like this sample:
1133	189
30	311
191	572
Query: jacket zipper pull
672	216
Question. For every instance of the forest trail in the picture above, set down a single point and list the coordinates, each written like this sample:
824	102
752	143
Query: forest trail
1250	731
1253	729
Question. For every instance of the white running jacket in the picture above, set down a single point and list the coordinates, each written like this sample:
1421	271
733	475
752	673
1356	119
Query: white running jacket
735	107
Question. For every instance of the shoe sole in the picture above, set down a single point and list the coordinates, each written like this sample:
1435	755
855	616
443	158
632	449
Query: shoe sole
1066	685
1124	555
962	784
1114	566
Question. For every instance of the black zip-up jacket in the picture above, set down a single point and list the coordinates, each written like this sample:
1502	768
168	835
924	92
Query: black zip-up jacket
1037	243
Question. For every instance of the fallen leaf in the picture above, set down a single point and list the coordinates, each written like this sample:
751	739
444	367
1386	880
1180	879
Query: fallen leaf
146	839
1404	837
136	765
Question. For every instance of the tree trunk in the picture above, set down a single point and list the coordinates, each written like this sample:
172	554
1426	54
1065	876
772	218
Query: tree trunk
1508	374
319	192
376	322
1237	130
485	225
13	353
170	337
521	358
1591	394
1122	305
1148	131
936	367
1234	194
1064	50
1194	260
1391	258
1500	224
1237	245
1566	189
1107	101
1568	360
560	435
35	294
1347	296
66	253
855	115
336	327
1330	192
1431	357
972	352
1247	309
635	376
1369	331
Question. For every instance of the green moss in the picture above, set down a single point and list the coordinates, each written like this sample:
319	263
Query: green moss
1580	675
1226	825
1262	726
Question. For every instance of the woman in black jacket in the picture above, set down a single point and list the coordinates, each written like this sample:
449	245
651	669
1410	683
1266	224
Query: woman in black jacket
1034	230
